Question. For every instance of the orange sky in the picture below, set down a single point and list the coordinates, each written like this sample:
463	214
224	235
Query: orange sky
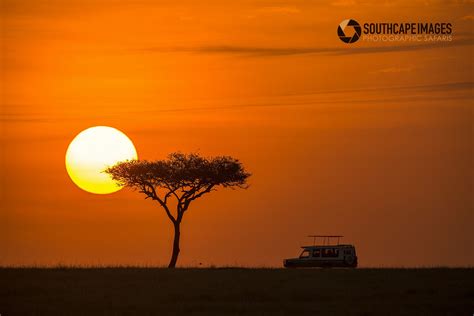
369	140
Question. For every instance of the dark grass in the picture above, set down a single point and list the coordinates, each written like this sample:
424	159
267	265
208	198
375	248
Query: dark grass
236	291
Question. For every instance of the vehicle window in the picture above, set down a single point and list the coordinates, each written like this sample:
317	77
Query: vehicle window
305	254
317	253
330	252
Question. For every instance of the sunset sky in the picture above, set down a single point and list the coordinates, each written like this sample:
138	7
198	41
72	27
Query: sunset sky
373	141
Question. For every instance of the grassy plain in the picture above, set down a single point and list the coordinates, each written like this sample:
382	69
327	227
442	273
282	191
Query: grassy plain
235	291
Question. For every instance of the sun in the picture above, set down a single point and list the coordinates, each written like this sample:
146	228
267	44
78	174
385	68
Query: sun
93	150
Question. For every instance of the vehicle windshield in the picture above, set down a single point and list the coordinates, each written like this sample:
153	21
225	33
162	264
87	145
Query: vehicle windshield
304	254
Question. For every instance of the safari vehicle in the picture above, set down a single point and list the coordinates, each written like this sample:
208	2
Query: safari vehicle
324	255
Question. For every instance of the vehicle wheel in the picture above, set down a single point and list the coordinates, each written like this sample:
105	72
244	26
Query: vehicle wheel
349	260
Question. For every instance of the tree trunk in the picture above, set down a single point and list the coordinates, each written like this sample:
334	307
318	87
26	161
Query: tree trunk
174	256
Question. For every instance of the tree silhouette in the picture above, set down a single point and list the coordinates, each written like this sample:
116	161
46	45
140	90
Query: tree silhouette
182	178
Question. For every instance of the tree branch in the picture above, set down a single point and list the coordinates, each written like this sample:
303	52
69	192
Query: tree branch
188	200
162	203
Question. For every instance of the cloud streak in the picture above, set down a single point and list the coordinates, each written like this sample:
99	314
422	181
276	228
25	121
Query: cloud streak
392	94
256	51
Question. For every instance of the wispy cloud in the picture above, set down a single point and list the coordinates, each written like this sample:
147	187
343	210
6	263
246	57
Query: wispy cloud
393	70
286	51
390	94
281	9
394	94
343	3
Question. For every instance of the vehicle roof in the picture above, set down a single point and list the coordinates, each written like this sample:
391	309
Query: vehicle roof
328	246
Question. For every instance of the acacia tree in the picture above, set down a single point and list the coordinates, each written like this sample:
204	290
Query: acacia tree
181	178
